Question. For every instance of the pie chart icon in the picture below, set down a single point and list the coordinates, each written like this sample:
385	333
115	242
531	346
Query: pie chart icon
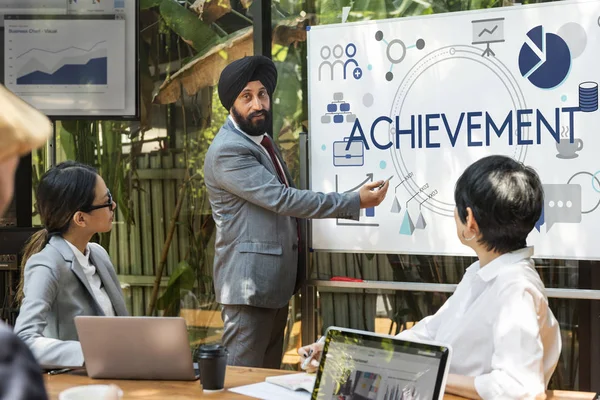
544	59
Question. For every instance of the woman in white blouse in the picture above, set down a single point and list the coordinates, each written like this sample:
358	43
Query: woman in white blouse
505	340
63	274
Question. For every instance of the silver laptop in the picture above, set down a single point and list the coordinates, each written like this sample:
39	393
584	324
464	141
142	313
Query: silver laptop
154	348
359	365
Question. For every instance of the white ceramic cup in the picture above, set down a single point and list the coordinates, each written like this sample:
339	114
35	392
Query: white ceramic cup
91	392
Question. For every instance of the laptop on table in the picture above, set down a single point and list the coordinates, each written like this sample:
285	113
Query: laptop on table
358	365
155	348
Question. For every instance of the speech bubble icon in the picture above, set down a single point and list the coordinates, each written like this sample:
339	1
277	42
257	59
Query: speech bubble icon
540	222
562	204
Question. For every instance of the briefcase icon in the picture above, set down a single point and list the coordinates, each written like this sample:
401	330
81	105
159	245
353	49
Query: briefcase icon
353	157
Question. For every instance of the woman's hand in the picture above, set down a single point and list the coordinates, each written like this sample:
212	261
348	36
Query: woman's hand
315	350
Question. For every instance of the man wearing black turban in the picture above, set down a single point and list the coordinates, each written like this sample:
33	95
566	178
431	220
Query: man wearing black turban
255	206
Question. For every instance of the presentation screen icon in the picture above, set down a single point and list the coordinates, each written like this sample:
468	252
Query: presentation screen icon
353	157
486	31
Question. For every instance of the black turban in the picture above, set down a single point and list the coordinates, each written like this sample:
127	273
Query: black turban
236	76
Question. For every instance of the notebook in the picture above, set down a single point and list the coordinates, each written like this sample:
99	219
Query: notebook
294	382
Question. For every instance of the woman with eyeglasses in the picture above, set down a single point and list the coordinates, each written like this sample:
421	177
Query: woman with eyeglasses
63	275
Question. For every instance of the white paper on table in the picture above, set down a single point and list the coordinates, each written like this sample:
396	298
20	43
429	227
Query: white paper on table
268	391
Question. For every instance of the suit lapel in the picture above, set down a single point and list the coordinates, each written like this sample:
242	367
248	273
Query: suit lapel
112	290
78	271
283	165
64	249
268	163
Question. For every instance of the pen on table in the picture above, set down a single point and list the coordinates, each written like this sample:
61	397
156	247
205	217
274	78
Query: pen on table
59	371
311	354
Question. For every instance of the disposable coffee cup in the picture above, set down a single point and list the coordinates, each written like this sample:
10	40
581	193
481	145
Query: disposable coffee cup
212	361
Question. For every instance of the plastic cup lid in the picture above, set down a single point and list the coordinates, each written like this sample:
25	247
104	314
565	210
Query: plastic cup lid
212	350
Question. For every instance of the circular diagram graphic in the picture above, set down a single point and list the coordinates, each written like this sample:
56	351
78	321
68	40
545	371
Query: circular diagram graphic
545	60
396	51
461	52
575	37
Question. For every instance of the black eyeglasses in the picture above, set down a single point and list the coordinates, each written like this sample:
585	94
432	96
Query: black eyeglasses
108	204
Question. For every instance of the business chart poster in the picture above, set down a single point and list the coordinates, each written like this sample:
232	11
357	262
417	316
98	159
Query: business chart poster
67	62
420	99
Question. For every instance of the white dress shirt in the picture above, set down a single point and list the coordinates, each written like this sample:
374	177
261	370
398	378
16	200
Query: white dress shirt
258	140
500	328
94	280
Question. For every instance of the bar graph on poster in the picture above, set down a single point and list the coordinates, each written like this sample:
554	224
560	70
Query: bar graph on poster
421	98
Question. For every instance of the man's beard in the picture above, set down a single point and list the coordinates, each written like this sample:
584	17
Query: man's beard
250	126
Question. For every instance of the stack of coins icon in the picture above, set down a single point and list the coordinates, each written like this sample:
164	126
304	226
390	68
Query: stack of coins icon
588	96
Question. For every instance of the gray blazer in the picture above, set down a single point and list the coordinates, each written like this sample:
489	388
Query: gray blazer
56	291
256	248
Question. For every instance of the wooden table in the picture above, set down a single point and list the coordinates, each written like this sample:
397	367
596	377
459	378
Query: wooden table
236	376
163	390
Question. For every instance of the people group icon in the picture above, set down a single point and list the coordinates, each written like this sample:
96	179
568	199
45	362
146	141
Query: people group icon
332	57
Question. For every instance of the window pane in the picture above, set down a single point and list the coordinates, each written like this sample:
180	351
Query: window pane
163	225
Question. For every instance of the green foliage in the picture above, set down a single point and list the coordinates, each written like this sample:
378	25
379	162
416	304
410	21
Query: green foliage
146	4
287	96
187	25
330	11
199	221
182	279
99	144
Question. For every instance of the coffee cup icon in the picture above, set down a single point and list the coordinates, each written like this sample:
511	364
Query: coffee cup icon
567	150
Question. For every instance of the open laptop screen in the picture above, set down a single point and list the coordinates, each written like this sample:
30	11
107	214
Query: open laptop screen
360	365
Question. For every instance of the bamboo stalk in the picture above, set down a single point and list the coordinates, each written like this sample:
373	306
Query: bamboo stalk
165	249
173	223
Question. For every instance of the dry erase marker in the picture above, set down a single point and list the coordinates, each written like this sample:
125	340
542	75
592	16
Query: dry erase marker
311	355
389	179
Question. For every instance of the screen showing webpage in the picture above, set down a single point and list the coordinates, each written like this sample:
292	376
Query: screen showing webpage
359	368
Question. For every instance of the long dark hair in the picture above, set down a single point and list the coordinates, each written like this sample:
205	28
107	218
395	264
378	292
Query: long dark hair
63	190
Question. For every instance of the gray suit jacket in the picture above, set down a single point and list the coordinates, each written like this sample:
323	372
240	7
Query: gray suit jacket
56	291
256	249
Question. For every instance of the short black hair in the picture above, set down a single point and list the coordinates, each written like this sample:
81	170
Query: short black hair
506	197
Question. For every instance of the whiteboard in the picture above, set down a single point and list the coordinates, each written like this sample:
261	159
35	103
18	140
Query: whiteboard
422	98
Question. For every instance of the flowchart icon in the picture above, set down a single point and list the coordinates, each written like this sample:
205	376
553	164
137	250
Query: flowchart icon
337	110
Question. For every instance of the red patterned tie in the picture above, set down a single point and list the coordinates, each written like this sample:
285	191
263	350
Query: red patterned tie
268	145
